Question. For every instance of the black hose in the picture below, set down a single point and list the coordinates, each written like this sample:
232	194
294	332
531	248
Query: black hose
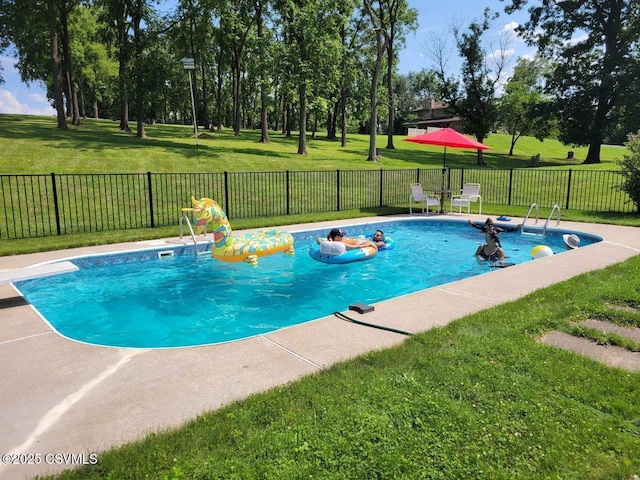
372	325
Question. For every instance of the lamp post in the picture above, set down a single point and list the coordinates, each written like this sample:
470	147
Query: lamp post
190	64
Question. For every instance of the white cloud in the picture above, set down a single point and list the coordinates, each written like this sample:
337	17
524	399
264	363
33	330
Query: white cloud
510	27
17	97
38	104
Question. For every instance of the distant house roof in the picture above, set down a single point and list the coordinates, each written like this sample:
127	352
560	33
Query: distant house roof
431	107
433	121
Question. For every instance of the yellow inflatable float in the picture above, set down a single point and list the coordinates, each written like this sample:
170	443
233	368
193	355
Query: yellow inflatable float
248	247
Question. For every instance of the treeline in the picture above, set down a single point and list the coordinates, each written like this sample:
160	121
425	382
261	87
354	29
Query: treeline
270	64
303	65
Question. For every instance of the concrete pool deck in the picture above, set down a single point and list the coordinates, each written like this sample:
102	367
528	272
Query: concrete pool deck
63	397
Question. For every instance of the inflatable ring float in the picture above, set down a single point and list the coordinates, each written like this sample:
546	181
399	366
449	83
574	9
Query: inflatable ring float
365	251
247	247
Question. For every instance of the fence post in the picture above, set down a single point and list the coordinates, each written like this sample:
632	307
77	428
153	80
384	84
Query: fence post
288	193
149	184
55	202
226	193
418	175
381	185
568	189
338	189
510	186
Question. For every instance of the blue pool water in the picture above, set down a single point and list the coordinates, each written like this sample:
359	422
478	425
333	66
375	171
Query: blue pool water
140	300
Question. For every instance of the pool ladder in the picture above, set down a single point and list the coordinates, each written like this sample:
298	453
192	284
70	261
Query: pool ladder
185	218
537	231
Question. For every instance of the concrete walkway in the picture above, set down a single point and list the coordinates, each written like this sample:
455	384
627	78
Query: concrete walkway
63	397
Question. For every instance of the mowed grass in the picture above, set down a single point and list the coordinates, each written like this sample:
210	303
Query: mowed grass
481	398
32	144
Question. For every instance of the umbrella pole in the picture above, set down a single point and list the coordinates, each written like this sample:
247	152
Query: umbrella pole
444	171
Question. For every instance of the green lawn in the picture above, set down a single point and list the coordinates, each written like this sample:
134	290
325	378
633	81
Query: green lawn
33	144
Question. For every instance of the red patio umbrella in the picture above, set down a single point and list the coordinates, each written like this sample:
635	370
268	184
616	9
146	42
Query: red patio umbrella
447	137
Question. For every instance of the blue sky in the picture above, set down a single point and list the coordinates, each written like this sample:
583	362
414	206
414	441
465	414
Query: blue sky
434	18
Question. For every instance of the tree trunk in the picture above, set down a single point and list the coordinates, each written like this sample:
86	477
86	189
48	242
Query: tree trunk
122	92
137	15
235	67
66	52
83	112
264	112
287	121
205	96
513	144
55	66
593	154
343	93
390	97
343	117
219	90
373	99
302	140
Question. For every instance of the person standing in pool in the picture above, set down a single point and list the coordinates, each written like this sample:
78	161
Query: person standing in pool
492	250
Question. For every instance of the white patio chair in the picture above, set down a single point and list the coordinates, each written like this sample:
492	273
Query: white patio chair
470	193
419	196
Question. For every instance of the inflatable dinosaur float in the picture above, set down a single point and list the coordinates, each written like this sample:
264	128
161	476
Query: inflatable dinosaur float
247	247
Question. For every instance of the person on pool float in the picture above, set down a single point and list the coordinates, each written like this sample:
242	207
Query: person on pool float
333	244
378	239
492	250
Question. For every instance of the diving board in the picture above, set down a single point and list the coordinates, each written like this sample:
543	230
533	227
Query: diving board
36	271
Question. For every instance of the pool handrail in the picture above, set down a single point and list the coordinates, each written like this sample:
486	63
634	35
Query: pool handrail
184	217
526	217
555	208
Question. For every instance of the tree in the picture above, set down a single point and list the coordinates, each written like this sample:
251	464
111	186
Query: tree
238	24
260	6
4	33
412	91
311	29
380	47
593	45
55	65
114	17
65	9
95	70
523	109
402	19
353	59
34	30
473	97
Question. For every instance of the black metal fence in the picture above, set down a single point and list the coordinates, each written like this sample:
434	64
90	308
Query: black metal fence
58	204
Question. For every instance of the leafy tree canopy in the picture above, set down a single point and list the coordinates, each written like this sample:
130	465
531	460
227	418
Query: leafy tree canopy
594	47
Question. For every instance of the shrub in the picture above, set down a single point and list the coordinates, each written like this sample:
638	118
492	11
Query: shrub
630	169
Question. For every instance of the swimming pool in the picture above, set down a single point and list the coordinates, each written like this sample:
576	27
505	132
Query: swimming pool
152	300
